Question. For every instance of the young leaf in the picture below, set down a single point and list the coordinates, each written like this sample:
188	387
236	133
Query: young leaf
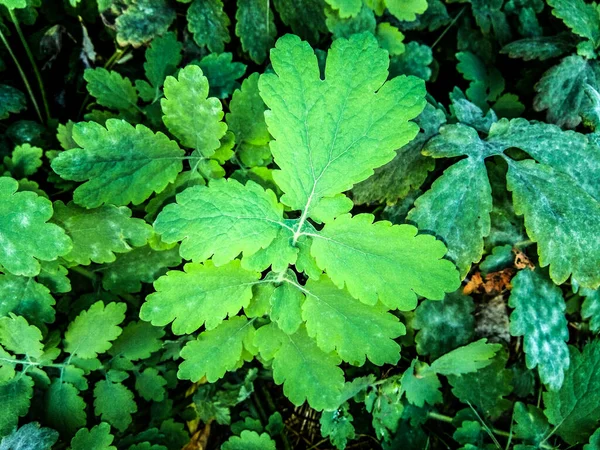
350	250
96	438
251	216
215	351
211	293
421	385
539	317
576	405
406	9
121	164
286	305
111	89
114	404
255	28
338	125
307	373
354	330
30	436
93	330
99	233
469	358
162	58
25	236
208	22
249	440
189	114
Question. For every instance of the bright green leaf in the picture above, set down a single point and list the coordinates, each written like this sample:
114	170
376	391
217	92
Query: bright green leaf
469	358
96	438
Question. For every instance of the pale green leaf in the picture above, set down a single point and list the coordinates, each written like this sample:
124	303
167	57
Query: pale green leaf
137	341
141	265
16	397
250	215
30	437
114	404
306	372
279	254
286	306
93	331
216	351
24	161
25	236
539	316
390	38
443	325
406	9
12	101
249	440
353	330
255	28
350	251
110	89
346	8
64	408
99	233
120	164
96	438
576	406
468	358
209	24
323	128
210	295
189	114
17	336
150	385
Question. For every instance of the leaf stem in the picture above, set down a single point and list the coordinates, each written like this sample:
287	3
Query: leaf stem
33	63
22	74
86	273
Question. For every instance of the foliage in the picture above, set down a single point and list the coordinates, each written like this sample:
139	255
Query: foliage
315	224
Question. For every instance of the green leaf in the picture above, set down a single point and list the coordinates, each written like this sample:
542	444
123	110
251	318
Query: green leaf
338	125
150	385
415	61
576	406
99	233
421	385
307	19
249	440
255	28
17	336
390	38
96	438
140	265
121	164
27	298
25	161
162	58
539	316
54	276
530	423
93	330
64	408
561	91
114	404
251	216
407	170
192	117
350	250
558	216
216	351
345	8
211	293
590	309
538	47
581	17
444	325
286	306
594	441
307	373
406	9
208	23
16	397
12	101
469	358
457	208
222	73
337	426
385	404
354	330
24	234
486	83
111	89
142	21
137	341
30	436
486	388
